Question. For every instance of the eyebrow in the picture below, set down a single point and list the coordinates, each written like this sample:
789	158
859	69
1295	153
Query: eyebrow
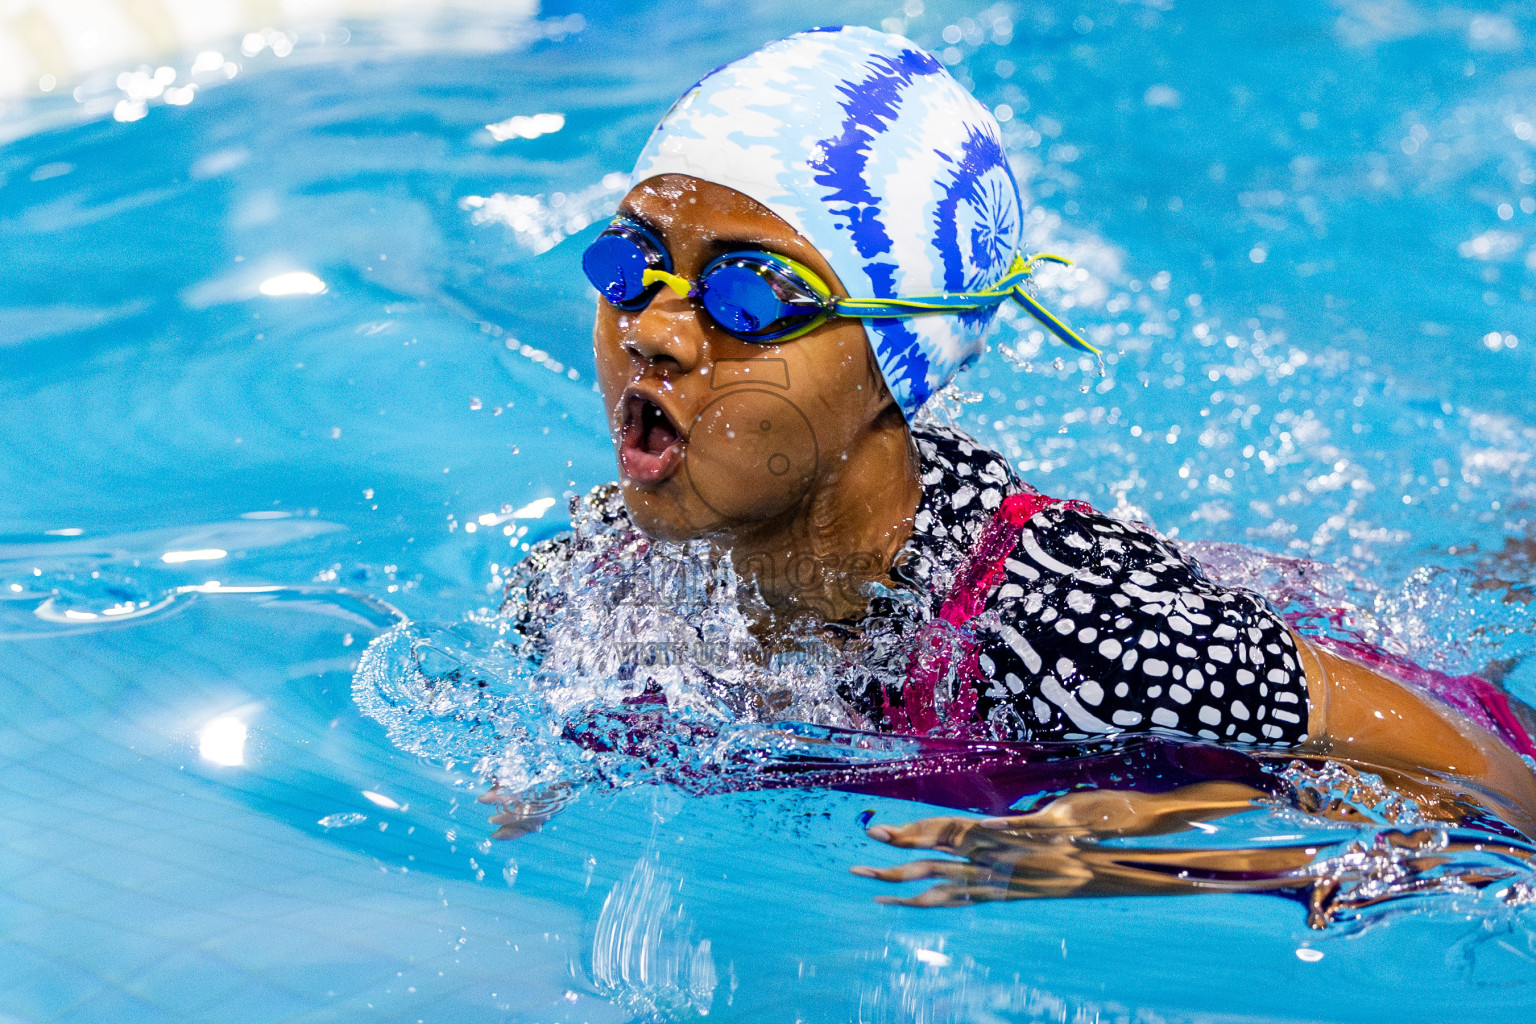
734	243
638	218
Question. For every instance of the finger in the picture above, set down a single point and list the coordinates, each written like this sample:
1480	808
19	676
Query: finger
948	894
496	795
1073	812
953	870
1021	887
947	833
1132	813
1029	824
518	829
1053	867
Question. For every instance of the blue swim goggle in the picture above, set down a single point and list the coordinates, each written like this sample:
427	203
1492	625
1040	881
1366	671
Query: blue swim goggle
763	297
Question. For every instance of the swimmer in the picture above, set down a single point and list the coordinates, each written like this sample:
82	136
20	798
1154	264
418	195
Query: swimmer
815	241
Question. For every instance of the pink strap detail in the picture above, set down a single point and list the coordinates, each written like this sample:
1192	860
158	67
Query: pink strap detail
982	570
939	641
1497	706
1474	696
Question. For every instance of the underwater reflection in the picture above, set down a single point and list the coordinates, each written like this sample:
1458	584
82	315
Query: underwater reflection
1075	845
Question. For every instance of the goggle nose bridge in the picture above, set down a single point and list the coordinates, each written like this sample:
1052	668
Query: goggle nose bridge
684	288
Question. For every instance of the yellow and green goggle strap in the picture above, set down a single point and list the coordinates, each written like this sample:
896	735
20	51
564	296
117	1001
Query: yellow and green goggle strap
1010	287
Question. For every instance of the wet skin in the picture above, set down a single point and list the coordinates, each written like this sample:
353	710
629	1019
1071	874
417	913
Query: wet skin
1448	764
697	416
1067	848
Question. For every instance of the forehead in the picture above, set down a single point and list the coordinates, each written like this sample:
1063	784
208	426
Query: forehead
685	205
698	219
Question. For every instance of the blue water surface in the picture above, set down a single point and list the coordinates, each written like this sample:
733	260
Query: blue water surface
1306	236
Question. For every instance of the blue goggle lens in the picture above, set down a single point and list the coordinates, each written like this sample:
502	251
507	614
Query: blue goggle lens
747	298
616	262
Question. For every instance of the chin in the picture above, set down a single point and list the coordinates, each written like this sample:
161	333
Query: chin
662	514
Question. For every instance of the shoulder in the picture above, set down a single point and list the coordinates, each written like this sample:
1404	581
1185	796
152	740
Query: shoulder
964	483
1068	554
1071	538
1103	625
1075	557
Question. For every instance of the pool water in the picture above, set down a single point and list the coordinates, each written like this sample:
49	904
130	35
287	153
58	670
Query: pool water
269	355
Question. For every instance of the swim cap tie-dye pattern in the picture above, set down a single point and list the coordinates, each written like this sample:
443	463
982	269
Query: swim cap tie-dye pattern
869	148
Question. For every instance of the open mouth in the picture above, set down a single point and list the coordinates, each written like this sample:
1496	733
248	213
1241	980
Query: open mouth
651	444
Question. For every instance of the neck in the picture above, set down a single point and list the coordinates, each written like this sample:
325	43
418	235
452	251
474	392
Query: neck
818	558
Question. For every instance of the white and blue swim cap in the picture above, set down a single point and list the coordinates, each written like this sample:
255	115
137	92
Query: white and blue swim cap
872	151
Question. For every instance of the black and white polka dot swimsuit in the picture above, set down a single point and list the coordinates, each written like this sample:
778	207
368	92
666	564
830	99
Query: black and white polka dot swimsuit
1095	626
1087	627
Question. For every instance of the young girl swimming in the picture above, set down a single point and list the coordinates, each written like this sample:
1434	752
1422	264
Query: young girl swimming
815	242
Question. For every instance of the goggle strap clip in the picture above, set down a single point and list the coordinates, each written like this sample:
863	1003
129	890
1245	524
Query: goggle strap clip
1023	267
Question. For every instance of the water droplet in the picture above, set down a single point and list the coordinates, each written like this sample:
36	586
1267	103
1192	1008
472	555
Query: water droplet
342	820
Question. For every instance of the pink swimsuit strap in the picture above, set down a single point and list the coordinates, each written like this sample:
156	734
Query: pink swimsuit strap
980	573
967	598
1477	698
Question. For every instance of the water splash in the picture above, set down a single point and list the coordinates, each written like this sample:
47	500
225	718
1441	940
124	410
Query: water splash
342	820
1458	621
1383	850
1332	788
644	955
539	223
619	661
1393	866
643	666
926	985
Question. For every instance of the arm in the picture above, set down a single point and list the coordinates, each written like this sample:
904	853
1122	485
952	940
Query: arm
1059	850
1363	717
523	812
528	601
1066	849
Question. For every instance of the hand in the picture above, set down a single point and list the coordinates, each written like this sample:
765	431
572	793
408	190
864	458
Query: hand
1055	851
524	811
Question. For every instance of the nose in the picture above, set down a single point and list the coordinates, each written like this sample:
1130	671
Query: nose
667	330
